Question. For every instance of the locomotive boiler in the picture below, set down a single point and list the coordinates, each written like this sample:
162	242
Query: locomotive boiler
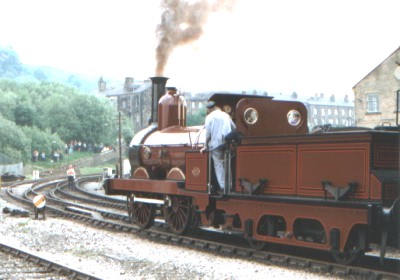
335	190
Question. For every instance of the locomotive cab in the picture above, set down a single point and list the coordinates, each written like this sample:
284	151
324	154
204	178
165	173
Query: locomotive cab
261	116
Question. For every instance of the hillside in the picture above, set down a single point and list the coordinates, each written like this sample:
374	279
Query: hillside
83	82
12	68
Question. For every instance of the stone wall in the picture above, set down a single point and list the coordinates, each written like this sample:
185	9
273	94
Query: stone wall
16	169
382	82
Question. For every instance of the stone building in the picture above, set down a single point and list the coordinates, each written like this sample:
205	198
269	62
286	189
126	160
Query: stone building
377	93
132	99
323	110
333	111
196	102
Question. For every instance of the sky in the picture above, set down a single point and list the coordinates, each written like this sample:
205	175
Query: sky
285	46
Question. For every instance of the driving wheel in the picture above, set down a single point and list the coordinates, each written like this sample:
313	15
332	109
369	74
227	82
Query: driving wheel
142	214
179	215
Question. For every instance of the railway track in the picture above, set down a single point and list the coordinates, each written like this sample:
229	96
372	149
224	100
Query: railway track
203	240
19	264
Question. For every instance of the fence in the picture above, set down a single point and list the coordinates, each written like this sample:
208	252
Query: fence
16	169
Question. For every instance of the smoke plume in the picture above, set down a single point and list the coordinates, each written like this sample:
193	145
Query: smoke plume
181	23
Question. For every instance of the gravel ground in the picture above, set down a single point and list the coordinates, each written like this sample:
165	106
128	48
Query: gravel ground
111	255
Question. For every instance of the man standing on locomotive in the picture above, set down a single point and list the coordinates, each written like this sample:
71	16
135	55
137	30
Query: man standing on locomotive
218	124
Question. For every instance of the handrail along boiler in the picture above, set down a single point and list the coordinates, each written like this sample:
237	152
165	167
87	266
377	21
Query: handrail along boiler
334	190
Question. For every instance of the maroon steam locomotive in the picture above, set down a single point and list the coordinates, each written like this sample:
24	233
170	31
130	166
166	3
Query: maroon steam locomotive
334	190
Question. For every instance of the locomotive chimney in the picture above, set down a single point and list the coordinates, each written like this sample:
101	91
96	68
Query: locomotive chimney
157	90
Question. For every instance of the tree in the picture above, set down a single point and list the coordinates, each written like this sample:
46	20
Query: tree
91	116
25	114
127	129
48	109
13	141
40	75
58	116
196	119
10	66
8	103
42	140
74	81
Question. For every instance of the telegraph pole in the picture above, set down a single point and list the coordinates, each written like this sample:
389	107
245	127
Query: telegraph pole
397	75
121	167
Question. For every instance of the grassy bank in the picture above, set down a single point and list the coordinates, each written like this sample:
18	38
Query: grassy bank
65	160
95	169
49	165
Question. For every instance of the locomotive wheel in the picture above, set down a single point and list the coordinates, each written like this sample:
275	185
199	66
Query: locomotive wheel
352	251
180	216
256	244
142	214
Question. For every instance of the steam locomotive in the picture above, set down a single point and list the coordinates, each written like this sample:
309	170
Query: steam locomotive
335	190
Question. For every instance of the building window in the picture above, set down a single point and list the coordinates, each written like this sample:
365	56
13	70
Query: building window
372	103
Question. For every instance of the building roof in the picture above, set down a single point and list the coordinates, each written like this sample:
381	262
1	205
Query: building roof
397	50
119	90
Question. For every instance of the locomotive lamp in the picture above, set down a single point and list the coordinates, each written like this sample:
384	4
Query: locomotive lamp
251	115
293	117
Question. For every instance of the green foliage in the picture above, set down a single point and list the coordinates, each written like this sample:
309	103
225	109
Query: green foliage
91	117
8	103
95	169
74	80
196	119
43	141
10	66
25	113
6	159
54	113
127	129
13	141
40	75
67	159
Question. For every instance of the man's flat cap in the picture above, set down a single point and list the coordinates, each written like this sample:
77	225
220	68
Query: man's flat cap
210	104
171	88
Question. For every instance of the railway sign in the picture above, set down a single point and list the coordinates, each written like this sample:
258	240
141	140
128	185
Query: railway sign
39	201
